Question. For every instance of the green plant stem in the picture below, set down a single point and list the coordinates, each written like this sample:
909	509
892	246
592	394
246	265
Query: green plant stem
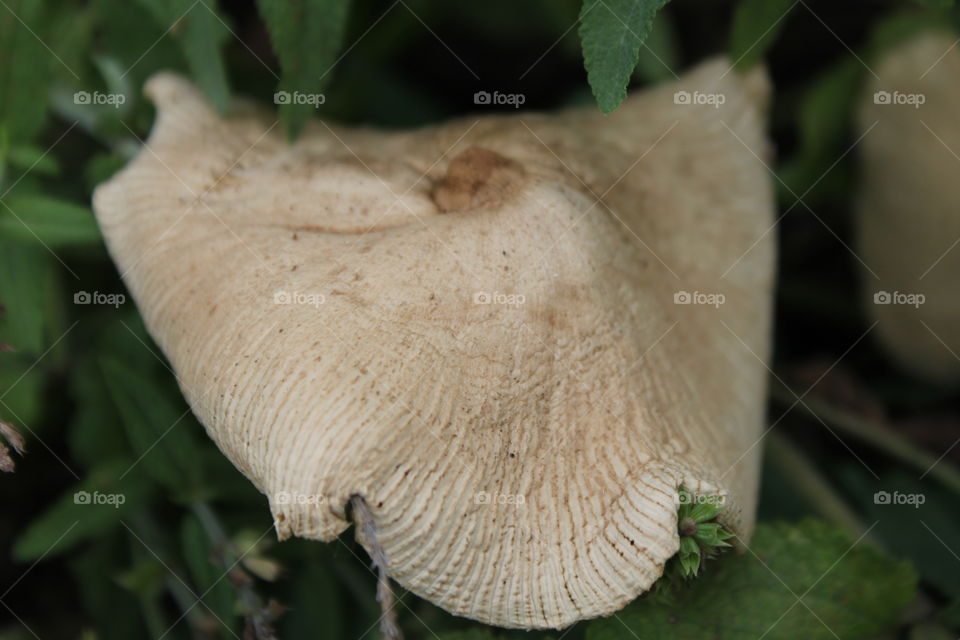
256	614
153	616
811	485
211	524
875	434
146	529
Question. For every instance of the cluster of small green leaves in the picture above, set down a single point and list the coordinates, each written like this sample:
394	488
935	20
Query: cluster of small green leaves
701	537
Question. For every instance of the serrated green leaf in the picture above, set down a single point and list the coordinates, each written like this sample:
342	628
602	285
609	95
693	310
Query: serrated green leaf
50	222
853	590
306	36
756	25
92	507
158	428
24	69
611	33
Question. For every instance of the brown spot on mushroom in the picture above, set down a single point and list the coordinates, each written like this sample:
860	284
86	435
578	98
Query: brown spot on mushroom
477	178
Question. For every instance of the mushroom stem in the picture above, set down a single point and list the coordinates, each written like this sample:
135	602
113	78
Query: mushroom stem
874	433
363	518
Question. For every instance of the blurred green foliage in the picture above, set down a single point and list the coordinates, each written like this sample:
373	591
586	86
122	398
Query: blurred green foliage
124	521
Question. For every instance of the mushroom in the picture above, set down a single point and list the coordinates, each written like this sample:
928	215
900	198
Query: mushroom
513	336
908	209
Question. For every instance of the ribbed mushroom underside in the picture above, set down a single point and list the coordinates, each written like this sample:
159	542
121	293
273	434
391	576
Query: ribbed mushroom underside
909	202
479	327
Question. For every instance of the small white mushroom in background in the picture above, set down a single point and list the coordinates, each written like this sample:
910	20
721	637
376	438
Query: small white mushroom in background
908	208
446	323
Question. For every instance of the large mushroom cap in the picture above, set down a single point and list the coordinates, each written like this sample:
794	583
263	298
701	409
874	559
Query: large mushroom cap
515	376
909	204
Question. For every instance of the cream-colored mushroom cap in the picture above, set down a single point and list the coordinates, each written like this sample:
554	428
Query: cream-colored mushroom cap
515	336
908	209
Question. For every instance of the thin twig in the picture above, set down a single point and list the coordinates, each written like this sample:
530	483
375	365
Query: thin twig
363	518
876	434
258	618
811	485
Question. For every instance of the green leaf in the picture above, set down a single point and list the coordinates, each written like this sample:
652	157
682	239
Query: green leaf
611	33
24	69
825	115
689	564
91	508
201	34
689	546
756	25
21	391
110	607
144	578
45	221
33	159
852	588
208	577
711	534
909	530
158	427
931	631
306	36
895	28
705	510
122	29
94	430
27	276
